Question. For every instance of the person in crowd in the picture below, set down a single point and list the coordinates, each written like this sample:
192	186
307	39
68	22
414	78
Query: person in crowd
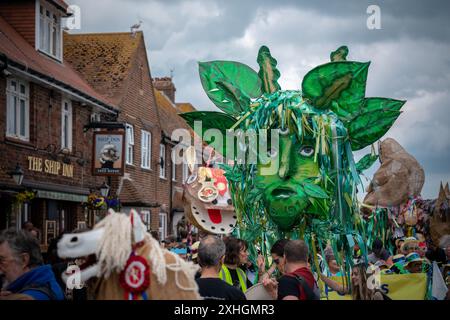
155	235
333	267
378	252
27	226
435	253
277	253
398	245
297	282
211	256
411	244
194	252
444	243
414	263
21	263
181	250
359	285
236	254
398	264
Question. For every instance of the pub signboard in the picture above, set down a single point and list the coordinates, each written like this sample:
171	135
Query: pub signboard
108	153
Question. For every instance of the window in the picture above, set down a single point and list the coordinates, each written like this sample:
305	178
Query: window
49	32
145	216
162	226
174	171
66	124
18	109
185	172
130	143
162	161
146	149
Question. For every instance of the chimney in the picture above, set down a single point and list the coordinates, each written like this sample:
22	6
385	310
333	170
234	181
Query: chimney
166	86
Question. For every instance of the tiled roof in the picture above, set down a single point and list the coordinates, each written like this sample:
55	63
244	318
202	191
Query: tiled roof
104	59
131	195
184	107
24	56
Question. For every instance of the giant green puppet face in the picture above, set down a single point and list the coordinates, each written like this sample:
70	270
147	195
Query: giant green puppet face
313	189
284	195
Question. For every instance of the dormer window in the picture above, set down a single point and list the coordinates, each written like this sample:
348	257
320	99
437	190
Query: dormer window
49	31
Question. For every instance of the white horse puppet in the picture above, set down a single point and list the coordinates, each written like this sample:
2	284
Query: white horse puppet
127	262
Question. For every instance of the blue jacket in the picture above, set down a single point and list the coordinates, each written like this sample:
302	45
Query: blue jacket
40	278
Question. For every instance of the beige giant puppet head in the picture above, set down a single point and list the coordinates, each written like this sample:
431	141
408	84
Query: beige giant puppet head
207	199
399	177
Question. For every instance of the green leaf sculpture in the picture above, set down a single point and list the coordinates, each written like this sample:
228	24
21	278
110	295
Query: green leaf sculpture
366	162
343	82
230	85
268	72
374	119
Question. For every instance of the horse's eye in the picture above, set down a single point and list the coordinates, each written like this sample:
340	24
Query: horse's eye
306	151
74	239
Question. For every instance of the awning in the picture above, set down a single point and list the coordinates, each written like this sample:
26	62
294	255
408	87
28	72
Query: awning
61	196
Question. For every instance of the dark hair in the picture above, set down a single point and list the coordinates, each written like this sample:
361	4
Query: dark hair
210	251
377	244
278	247
296	251
155	235
233	248
21	241
183	233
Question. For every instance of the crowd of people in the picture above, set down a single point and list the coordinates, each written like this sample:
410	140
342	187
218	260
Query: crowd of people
225	270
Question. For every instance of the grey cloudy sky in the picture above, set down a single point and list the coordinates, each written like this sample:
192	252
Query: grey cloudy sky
410	54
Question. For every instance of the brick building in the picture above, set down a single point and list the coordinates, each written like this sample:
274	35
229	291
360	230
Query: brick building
117	66
44	105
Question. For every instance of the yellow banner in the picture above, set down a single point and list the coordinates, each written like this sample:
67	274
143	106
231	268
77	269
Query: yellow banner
395	286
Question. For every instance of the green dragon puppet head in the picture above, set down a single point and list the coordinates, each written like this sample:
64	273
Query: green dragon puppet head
312	189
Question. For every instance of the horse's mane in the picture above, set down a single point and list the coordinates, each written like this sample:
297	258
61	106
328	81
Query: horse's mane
116	243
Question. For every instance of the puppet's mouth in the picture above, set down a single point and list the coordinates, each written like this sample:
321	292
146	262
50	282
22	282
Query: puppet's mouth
90	261
215	216
88	269
283	193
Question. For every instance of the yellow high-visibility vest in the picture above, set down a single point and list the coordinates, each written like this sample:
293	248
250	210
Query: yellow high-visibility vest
225	275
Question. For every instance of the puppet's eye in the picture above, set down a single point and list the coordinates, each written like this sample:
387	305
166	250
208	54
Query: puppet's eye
272	152
306	151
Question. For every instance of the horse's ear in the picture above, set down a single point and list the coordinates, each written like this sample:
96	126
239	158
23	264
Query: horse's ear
139	229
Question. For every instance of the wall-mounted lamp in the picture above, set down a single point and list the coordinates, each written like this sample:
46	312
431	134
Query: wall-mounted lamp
104	190
17	174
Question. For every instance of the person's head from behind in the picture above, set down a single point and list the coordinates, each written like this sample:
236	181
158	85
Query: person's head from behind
183	234
19	253
377	246
28	226
332	263
277	253
444	243
211	253
236	252
295	253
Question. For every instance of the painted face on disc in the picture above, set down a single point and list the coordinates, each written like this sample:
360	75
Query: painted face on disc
214	218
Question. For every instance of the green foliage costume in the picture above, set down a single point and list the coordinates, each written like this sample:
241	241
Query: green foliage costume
312	194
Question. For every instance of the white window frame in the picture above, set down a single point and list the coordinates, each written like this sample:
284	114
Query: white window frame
162	230
162	161
146	149
130	144
14	100
69	114
146	218
174	170
47	28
